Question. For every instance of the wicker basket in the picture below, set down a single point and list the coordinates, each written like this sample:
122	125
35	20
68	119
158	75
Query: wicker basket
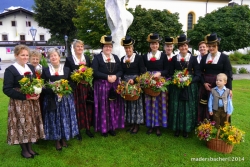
128	96
151	92
219	146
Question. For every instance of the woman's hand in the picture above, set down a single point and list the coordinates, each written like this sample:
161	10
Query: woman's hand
231	94
111	78
131	81
207	86
157	75
33	97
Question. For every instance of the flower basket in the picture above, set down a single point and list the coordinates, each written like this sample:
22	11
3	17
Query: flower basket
151	92
153	86
219	146
128	91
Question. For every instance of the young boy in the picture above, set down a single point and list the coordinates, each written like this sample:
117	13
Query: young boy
220	102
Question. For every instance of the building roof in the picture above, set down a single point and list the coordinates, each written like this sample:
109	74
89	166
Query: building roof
10	11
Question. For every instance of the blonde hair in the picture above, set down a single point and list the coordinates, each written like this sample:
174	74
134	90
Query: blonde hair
77	42
35	53
202	42
19	48
223	76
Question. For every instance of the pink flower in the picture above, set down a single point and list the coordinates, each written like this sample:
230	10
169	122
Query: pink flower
83	69
153	59
82	63
209	61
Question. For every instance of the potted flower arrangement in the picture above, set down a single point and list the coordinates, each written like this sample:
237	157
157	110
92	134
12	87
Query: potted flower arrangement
181	78
221	140
60	88
128	91
31	86
83	75
152	86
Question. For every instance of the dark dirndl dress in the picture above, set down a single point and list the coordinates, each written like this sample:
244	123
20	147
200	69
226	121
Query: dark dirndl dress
204	96
133	109
156	110
109	114
60	121
83	109
183	107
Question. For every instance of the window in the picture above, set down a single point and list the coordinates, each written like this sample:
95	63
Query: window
4	38
1	23
28	24
190	21
13	23
42	38
22	37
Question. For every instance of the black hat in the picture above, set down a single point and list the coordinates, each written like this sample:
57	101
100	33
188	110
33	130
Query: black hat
153	37
212	38
182	39
106	40
127	41
169	40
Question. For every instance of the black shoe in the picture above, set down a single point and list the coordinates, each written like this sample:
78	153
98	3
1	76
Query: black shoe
130	130
185	134
64	144
35	153
134	132
105	134
89	134
158	134
31	156
150	130
177	133
112	133
57	146
79	137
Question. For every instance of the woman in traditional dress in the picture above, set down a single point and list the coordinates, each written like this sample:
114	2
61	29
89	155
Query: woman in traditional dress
83	109
203	49
211	64
60	121
132	65
183	102
156	63
25	124
168	47
109	108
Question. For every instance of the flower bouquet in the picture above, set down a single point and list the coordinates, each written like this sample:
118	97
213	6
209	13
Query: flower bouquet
83	75
181	78
60	88
31	86
128	91
152	86
221	140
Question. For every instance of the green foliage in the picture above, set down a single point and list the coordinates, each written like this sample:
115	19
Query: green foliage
91	22
234	70
57	16
243	70
152	21
87	53
43	62
230	23
246	57
242	61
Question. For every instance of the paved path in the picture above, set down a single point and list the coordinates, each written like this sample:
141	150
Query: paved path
5	64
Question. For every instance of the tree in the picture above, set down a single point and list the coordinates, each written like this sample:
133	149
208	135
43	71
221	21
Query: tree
56	15
91	22
152	21
230	23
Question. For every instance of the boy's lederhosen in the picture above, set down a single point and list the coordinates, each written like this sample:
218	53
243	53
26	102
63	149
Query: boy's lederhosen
219	113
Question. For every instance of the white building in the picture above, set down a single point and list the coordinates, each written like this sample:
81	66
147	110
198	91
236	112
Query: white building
189	10
15	25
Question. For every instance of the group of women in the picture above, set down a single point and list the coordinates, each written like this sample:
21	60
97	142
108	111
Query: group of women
179	109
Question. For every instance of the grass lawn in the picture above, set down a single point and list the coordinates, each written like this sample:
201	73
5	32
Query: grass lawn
133	150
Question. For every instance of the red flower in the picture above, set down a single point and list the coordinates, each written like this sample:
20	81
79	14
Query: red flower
38	75
27	73
170	59
153	59
56	74
108	59
82	63
127	61
182	59
209	61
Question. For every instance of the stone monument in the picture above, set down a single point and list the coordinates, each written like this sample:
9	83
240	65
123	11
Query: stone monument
119	20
